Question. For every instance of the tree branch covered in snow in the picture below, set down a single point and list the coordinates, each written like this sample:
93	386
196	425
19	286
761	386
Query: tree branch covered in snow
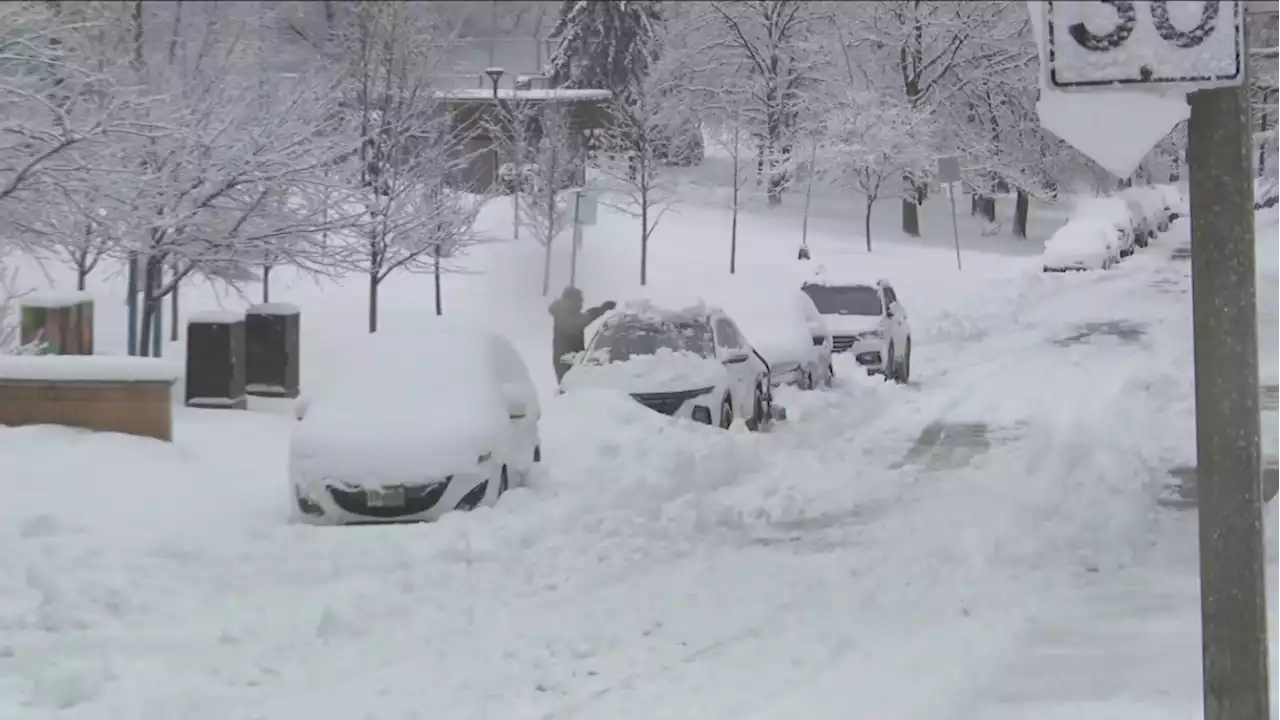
409	148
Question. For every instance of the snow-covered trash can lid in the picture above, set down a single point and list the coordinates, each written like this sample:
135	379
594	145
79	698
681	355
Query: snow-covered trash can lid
215	317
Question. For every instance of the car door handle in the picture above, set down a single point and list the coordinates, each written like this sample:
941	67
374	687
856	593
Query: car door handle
735	360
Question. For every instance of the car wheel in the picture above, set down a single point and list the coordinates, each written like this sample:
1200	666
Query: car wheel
831	374
807	382
726	412
758	411
504	483
537	453
904	371
890	364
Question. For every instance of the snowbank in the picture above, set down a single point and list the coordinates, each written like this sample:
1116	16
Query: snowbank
84	368
56	299
664	371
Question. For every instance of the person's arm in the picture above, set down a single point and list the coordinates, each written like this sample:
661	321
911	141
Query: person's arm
590	315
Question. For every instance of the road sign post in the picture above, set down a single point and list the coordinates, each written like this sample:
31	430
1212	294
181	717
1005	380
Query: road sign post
1198	49
585	208
949	175
1233	601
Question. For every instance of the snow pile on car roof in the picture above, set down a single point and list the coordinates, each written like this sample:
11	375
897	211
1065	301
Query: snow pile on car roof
667	307
405	406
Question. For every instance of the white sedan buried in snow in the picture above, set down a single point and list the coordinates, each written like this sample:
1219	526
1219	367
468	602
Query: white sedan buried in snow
415	427
786	328
1082	244
684	360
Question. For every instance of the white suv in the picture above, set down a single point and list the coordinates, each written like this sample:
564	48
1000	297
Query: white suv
867	320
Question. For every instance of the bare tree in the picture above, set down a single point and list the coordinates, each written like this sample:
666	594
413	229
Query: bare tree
775	40
869	141
212	156
515	126
556	164
409	148
56	95
929	51
638	144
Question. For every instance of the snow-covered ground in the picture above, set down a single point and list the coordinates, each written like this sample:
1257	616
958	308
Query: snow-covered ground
983	543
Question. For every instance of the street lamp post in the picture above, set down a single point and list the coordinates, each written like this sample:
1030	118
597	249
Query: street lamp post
495	74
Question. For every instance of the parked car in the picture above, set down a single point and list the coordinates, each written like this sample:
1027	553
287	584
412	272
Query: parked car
1116	212
683	359
1174	200
787	329
1083	244
414	427
867	320
1152	204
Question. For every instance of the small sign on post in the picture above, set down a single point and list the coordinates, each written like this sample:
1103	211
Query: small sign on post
949	175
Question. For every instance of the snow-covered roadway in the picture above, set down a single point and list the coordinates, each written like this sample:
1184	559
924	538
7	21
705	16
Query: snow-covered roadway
889	552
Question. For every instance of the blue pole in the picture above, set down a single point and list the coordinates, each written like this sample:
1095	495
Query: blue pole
132	302
156	323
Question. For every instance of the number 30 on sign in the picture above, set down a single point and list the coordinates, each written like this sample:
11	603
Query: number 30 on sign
1175	46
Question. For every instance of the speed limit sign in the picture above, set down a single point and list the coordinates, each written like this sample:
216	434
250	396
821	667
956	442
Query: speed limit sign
1180	46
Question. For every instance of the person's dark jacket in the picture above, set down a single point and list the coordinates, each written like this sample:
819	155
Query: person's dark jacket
569	323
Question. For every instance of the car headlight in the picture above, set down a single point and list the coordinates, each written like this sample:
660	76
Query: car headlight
484	458
872	335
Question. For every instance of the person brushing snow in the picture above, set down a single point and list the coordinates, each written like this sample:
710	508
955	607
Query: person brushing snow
569	322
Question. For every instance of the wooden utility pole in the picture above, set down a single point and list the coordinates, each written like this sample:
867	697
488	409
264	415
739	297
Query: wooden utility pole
1228	466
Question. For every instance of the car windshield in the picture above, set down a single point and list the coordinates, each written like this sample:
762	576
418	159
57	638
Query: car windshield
845	300
626	337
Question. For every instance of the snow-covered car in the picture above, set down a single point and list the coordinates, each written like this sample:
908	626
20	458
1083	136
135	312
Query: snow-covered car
1174	200
866	320
1082	244
1114	211
1155	209
787	329
686	359
413	427
1266	192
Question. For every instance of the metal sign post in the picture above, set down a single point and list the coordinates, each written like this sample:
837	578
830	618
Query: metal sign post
1233	596
584	213
577	238
1102	47
949	175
